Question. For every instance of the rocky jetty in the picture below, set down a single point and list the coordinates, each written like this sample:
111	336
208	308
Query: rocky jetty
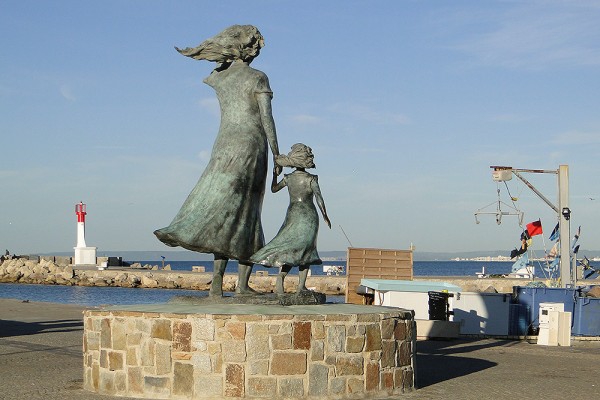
20	270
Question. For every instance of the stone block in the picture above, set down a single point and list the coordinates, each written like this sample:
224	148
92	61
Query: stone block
163	358
208	387
387	380
106	382
182	336
234	351
95	376
274	329
301	338
262	387
105	333
368	318
356	385
119	335
257	341
202	363
92	341
234	380
159	386
281	342
133	338
349	365
387	328
407	379
203	329
104	359
317	350
183	379
291	388
135	380
404	354
147	350
318	380
373	334
236	329
288	363
318	330
400	331
142	326
161	329
121	382
372	376
355	344
258	367
181	356
388	353
336	337
337	386
115	360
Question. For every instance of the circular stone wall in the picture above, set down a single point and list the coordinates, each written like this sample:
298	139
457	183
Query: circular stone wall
330	351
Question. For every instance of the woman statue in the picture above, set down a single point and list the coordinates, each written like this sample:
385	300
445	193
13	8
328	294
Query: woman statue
296	242
222	214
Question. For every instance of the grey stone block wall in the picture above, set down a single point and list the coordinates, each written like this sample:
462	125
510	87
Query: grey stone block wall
206	356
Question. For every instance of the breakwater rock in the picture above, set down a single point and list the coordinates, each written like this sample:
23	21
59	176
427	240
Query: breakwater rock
20	270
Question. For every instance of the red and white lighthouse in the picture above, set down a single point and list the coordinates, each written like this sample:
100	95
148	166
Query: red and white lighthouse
80	211
84	255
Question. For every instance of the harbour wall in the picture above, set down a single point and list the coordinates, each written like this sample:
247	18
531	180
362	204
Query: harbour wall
44	271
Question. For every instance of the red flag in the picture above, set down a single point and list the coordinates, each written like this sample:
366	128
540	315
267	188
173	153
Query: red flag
534	228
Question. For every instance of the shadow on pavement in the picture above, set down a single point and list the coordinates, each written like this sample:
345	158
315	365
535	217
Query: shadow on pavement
19	328
438	361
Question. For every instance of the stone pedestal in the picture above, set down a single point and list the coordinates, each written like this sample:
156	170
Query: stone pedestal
330	351
85	256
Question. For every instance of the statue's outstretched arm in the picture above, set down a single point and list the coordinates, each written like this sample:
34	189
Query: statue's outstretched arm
314	185
266	117
277	186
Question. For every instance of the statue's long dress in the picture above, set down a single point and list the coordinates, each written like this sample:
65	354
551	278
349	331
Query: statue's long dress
296	242
222	214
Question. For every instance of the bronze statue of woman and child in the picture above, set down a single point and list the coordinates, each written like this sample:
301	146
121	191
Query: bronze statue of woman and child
222	214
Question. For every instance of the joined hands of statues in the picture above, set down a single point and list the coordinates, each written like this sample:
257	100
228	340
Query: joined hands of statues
277	170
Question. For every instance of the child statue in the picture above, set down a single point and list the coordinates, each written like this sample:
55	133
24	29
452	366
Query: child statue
296	242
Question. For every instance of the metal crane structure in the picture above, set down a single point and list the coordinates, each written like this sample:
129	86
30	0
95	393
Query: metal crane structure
502	174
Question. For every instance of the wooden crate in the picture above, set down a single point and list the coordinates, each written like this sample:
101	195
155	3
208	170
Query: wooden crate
377	264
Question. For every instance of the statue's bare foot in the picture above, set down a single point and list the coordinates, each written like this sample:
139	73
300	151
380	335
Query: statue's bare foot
215	292
246	291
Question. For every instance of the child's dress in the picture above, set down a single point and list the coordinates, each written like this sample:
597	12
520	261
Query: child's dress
296	242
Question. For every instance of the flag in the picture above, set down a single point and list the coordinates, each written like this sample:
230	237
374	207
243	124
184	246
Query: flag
534	228
522	262
554	234
521	250
553	251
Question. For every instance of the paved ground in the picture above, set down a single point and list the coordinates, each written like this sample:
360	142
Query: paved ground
41	358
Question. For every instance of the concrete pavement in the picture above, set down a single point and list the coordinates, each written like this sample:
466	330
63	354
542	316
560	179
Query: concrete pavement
41	358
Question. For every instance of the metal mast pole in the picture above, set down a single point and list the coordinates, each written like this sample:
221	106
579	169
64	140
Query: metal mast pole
564	226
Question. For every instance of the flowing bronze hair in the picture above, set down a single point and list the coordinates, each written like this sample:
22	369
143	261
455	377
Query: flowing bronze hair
300	156
238	42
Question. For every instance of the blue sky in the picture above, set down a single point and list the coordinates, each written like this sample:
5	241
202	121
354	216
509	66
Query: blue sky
406	104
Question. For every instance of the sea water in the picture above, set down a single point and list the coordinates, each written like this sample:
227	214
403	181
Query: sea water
97	296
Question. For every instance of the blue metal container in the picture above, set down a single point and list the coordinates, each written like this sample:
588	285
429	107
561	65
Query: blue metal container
531	297
586	319
518	320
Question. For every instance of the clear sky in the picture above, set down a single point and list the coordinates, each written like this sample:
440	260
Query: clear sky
406	105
